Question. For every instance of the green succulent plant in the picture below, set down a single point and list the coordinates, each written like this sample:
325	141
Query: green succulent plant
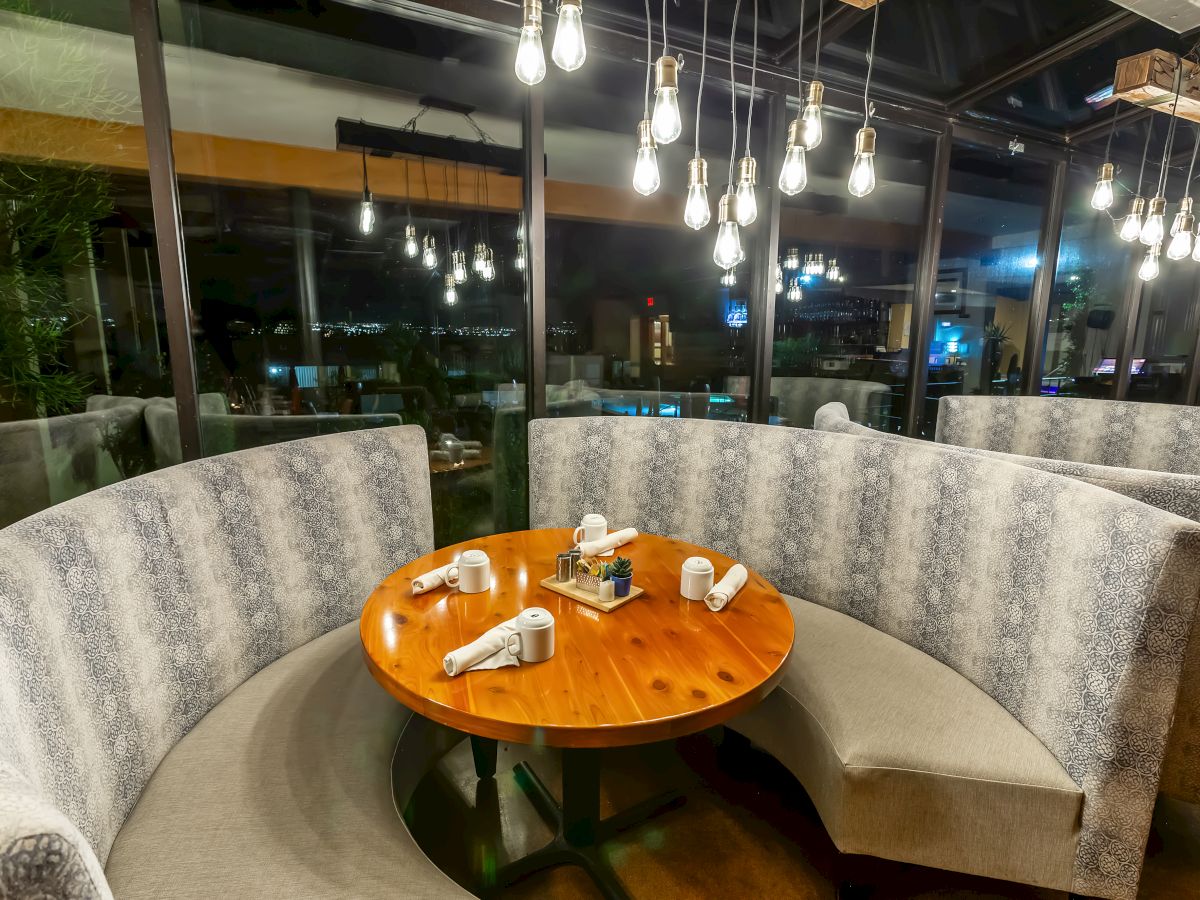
620	568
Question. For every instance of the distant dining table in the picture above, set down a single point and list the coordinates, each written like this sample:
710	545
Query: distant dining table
657	668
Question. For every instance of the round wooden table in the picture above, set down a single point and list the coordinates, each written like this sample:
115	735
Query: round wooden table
657	668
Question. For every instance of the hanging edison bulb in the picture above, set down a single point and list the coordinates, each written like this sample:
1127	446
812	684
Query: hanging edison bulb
1153	229
458	265
778	278
793	177
477	259
569	49
795	293
818	264
645	169
1181	231
429	252
451	291
366	213
727	251
488	270
811	131
1102	196
791	259
411	248
728	279
665	123
1196	244
833	273
1149	268
747	204
862	173
530	64
519	261
696	213
1131	227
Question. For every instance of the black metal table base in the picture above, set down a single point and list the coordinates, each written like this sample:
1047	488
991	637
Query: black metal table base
579	832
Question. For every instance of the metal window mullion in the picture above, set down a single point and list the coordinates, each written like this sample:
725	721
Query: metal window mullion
762	277
1043	282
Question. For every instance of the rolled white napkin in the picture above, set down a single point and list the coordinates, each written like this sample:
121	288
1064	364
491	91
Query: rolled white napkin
488	651
430	580
722	592
608	543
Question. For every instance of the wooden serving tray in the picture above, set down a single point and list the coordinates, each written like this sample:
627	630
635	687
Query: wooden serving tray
569	589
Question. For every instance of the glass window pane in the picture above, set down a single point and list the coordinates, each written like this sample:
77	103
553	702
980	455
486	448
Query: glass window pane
340	286
640	320
1166	334
82	331
994	211
843	304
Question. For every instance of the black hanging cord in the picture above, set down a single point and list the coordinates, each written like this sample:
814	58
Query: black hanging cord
800	55
1162	169
820	22
1112	129
1187	185
1145	151
870	66
649	63
753	79
366	190
700	89
733	89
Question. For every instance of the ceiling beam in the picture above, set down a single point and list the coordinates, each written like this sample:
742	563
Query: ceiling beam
1098	32
837	22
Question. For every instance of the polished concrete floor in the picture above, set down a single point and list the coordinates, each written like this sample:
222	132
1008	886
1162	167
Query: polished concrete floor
747	830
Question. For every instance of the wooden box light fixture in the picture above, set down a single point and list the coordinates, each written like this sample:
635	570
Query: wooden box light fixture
1148	79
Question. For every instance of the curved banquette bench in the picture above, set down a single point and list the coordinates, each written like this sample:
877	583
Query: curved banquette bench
184	711
1157	436
987	656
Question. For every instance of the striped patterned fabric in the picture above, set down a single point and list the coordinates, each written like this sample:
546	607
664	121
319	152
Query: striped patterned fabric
128	613
1070	605
1155	436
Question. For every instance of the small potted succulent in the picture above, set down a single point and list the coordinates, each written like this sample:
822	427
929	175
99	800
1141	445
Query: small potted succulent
620	573
589	573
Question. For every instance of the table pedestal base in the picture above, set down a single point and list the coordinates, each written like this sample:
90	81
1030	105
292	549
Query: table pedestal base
579	832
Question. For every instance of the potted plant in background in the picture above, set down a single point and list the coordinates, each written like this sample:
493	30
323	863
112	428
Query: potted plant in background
620	573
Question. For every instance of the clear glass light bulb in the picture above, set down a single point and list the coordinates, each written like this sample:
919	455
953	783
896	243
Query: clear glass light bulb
1131	227
477	263
451	295
1176	223
1181	244
1152	230
862	175
488	272
410	247
778	278
665	123
1196	249
520	260
569	49
727	252
531	61
366	217
460	273
696	212
793	177
747	205
1102	197
645	171
429	258
812	132
1149	269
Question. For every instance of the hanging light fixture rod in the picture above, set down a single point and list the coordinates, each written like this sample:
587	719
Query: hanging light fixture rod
384	140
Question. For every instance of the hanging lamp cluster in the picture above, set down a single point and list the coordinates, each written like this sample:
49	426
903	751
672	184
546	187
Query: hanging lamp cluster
569	50
1147	223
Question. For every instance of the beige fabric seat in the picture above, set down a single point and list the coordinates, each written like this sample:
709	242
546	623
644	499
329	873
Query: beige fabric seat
282	790
906	759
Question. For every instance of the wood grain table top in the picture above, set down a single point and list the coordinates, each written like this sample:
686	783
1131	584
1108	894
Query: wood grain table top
657	668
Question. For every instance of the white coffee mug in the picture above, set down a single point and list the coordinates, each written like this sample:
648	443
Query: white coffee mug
472	574
594	527
696	577
533	641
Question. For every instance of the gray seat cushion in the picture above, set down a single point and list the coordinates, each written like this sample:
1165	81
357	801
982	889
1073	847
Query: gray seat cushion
282	790
906	759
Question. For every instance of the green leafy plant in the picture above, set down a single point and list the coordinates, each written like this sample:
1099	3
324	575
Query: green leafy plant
997	334
620	568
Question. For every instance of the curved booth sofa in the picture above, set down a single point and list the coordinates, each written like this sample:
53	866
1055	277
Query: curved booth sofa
800	396
1155	436
184	711
987	656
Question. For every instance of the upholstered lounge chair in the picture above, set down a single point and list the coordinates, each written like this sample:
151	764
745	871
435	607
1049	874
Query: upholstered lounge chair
987	656
184	711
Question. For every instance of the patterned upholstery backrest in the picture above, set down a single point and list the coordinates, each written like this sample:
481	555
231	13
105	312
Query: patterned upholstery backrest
108	401
868	402
1179	494
1154	436
1068	604
127	614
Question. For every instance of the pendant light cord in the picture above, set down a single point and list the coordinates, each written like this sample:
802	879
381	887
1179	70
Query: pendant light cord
1145	151
649	63
366	190
664	26
700	89
1187	185
753	79
800	56
870	66
732	89
1162	169
820	22
1112	129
